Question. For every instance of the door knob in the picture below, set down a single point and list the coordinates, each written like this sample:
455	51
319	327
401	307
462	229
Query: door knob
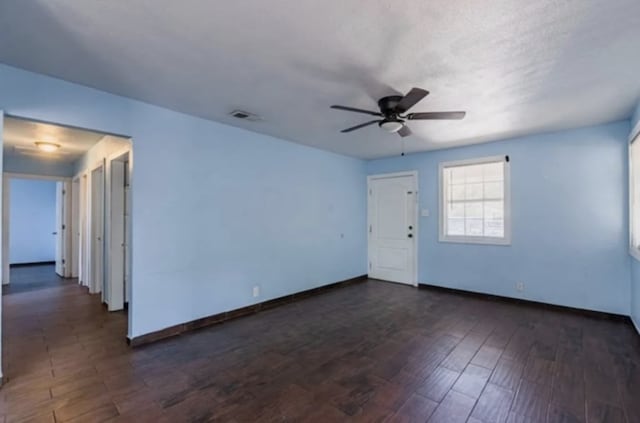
410	235
54	233
410	228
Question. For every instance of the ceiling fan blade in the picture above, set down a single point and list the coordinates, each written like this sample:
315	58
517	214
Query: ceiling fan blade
404	131
410	100
362	125
353	109
436	115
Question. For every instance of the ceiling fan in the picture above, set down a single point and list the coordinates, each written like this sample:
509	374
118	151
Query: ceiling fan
393	109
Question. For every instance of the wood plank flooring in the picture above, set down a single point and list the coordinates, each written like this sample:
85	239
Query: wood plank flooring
368	352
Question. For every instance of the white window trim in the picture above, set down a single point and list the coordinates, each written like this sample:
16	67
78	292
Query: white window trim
506	240
633	250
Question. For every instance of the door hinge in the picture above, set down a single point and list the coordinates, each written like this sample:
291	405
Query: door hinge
369	265
64	191
63	261
64	227
370	191
370	228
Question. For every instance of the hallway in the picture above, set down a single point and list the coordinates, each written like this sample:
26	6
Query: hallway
34	277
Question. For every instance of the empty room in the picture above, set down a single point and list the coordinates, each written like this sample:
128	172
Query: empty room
305	211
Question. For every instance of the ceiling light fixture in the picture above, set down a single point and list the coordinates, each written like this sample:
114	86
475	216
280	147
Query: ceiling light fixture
48	147
391	126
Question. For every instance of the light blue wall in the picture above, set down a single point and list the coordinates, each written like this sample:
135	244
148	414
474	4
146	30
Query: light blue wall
32	166
216	209
569	226
635	264
32	221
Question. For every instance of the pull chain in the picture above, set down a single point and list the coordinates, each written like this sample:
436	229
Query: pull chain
402	140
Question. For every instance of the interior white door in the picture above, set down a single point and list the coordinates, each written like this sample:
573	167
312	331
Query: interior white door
127	231
75	229
393	227
116	266
97	231
58	232
85	232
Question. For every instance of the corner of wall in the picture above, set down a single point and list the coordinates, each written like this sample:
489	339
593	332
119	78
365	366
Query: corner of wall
1	229
635	261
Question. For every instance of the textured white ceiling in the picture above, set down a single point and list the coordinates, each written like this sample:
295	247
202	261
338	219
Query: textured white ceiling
20	135
515	66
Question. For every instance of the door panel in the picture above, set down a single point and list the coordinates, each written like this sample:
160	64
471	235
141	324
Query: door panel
392	228
116	265
97	231
59	229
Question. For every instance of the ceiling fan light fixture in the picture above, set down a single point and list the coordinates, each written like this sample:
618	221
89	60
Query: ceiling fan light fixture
48	147
391	126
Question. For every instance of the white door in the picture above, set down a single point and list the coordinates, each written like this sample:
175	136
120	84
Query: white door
393	231
74	258
84	232
97	231
116	265
127	231
58	231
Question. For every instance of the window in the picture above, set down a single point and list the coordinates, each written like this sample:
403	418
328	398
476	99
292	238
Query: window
634	196
474	201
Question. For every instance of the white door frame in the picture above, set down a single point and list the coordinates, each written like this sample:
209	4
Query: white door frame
6	219
83	228
414	175
94	285
74	257
115	297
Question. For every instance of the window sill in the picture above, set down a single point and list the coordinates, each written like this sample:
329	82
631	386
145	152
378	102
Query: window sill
480	241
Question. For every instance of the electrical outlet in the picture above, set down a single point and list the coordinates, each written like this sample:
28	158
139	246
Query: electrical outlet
520	286
256	291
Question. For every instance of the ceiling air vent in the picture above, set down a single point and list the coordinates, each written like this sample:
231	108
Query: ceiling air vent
241	114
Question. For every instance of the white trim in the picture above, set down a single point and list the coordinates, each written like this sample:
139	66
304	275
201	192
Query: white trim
633	251
94	286
414	175
635	324
6	195
504	241
3	227
113	301
635	131
14	175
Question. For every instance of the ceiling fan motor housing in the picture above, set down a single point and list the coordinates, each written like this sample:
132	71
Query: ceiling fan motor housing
388	104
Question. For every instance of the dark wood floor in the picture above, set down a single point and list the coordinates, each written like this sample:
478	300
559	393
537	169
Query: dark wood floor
34	277
368	352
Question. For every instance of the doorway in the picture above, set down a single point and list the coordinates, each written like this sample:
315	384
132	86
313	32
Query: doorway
392	210
34	236
77	161
84	193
